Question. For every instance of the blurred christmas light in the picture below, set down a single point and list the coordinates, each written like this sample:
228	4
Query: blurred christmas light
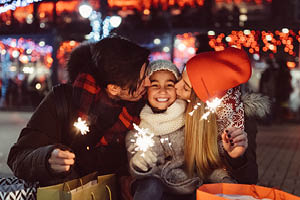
145	5
42	43
258	41
15	53
181	47
85	10
38	86
115	21
28	70
211	33
290	64
6	5
166	49
156	41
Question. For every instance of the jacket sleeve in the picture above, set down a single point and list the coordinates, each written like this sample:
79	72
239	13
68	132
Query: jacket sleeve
244	169
28	157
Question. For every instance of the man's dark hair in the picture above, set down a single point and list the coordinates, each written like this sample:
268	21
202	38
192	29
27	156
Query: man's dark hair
118	61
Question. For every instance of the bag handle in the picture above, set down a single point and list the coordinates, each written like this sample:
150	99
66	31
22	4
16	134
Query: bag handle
80	180
109	193
65	183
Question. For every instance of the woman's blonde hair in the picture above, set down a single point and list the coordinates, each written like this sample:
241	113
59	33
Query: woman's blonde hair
201	145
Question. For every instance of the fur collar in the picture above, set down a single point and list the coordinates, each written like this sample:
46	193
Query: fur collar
164	123
256	105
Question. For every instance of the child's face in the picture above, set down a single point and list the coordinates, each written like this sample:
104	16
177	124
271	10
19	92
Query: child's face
162	93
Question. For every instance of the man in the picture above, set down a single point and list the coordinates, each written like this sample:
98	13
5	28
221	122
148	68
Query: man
107	85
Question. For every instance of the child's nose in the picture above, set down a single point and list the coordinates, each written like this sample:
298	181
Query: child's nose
162	90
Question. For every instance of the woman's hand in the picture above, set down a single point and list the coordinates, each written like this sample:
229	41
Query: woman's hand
235	141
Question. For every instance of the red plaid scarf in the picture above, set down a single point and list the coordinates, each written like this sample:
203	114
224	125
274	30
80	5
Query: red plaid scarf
85	94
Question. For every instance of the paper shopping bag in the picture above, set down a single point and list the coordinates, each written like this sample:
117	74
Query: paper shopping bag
90	187
221	191
14	188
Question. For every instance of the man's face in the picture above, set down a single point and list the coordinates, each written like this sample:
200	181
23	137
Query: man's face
161	93
141	87
184	87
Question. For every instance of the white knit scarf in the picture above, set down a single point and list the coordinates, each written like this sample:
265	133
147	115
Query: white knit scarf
163	123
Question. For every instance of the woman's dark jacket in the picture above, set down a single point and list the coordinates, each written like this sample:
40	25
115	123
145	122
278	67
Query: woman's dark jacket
244	169
28	158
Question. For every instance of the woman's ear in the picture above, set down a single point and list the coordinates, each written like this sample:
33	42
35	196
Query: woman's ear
113	89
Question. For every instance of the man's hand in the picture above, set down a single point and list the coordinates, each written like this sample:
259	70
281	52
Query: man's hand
61	161
144	160
235	141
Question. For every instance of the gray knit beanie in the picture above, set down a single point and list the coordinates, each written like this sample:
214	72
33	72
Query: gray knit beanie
163	65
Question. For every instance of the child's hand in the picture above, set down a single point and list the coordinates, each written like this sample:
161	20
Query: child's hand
235	141
144	160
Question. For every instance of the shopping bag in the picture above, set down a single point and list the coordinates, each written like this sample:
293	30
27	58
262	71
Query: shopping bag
221	191
13	188
89	187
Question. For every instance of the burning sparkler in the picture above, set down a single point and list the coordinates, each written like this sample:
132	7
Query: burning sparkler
82	126
211	107
195	108
144	139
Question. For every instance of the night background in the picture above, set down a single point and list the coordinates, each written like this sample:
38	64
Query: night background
37	36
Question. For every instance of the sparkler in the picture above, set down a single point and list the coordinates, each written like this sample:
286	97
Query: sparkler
195	108
82	126
144	139
211	106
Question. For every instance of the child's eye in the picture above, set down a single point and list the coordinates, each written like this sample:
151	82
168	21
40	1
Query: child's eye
171	85
154	85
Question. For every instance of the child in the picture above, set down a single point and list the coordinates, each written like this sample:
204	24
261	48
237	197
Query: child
159	170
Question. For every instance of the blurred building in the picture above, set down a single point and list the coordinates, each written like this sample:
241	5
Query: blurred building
170	28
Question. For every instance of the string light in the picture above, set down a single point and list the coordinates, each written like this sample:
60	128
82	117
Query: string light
251	39
145	5
6	5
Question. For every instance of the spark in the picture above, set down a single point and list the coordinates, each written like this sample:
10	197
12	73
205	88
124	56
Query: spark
82	126
211	106
144	139
195	108
162	140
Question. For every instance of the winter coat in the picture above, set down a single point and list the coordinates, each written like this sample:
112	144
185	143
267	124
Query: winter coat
168	130
28	158
244	169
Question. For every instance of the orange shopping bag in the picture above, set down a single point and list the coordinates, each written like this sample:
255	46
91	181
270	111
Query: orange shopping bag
221	191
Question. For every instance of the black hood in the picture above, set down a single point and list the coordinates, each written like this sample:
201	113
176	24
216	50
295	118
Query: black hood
80	61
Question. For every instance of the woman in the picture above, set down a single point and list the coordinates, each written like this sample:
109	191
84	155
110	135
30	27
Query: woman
220	140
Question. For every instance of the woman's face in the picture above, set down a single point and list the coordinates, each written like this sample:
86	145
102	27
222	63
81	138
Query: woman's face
161	93
184	87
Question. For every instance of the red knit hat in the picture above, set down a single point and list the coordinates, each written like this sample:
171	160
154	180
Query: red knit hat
213	73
